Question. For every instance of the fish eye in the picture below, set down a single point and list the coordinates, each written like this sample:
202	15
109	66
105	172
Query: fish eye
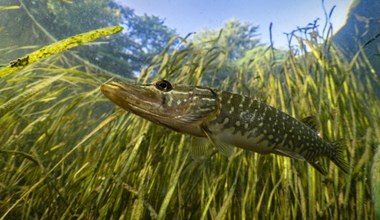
164	85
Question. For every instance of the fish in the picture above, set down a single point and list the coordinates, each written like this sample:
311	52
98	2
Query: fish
228	120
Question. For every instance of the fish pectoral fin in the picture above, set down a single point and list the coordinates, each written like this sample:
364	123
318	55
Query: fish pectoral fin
288	153
225	149
318	166
200	148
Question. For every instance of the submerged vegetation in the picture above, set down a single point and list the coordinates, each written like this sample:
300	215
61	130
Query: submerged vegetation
376	182
67	152
58	47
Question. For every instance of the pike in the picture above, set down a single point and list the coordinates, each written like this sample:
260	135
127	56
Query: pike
227	120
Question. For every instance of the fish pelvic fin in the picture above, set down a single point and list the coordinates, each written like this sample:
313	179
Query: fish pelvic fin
338	157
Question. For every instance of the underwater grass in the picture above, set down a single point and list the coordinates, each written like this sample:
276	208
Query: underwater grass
376	182
11	7
67	152
58	47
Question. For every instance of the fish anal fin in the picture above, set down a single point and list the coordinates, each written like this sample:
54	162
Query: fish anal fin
223	148
316	163
312	122
318	166
288	153
338	157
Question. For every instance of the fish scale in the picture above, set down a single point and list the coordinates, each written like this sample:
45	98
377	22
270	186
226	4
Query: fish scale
227	119
253	119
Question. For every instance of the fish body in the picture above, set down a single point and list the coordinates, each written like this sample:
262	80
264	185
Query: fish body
226	119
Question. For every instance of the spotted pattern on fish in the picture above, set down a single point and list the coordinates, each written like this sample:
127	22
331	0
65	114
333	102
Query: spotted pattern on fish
226	119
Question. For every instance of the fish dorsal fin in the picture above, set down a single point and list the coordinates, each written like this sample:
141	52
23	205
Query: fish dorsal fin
200	148
312	122
225	149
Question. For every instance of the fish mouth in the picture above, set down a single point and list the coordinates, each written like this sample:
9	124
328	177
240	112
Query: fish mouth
116	90
148	102
139	99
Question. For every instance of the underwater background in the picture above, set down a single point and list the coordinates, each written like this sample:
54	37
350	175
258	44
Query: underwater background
66	152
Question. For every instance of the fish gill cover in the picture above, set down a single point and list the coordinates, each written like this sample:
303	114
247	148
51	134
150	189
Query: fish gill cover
67	152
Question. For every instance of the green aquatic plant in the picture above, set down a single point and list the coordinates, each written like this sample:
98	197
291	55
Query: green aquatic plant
67	152
10	7
44	22
376	182
58	47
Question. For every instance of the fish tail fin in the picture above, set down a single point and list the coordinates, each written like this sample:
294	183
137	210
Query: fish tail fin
338	156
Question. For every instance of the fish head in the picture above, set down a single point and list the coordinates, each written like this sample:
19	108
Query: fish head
182	108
